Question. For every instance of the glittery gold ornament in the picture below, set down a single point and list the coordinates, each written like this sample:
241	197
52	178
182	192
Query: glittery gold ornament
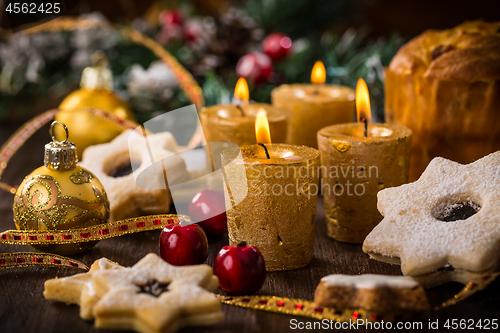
60	195
96	92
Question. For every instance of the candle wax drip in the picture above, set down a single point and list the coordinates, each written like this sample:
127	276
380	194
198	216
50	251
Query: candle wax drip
265	148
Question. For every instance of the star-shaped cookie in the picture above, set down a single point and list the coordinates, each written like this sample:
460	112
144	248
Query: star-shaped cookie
154	296
79	288
151	158
443	227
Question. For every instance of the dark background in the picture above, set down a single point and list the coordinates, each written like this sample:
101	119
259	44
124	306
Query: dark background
383	16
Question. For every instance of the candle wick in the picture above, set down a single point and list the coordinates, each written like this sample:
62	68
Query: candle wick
315	92
241	110
364	120
265	148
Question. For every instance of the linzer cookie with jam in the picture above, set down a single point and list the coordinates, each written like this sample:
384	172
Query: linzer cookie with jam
154	296
79	288
443	227
116	162
151	296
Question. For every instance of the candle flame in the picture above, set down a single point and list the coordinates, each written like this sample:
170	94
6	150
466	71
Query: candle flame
318	73
262	132
363	109
241	90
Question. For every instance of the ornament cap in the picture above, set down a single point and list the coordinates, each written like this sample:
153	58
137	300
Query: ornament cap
60	155
98	76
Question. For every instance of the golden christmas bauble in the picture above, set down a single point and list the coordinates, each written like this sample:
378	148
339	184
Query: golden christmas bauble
88	129
60	195
96	92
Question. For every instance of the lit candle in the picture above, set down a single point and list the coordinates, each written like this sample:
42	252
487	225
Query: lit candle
358	160
313	106
271	193
235	123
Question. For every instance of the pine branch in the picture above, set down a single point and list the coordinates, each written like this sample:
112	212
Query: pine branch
290	16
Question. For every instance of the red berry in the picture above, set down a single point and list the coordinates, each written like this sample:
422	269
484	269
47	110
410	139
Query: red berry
193	29
277	46
183	245
171	17
255	66
240	268
206	208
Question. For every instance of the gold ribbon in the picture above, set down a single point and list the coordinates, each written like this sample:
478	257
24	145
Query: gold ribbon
297	307
472	287
304	308
72	236
291	306
90	234
21	259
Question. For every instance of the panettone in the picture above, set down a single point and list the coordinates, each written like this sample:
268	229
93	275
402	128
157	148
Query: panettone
445	86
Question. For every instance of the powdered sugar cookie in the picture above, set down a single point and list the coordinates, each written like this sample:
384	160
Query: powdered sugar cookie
131	169
154	296
151	296
79	288
379	293
443	227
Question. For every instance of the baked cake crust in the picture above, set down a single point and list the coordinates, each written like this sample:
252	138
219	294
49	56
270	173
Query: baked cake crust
468	52
379	293
445	87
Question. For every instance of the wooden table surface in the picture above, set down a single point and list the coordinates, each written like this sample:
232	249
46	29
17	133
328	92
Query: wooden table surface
23	308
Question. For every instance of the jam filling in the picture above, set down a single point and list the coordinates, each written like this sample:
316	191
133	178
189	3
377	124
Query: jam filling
154	288
125	169
446	268
459	212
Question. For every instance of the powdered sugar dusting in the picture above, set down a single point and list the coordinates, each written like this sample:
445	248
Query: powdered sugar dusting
185	292
370	281
411	231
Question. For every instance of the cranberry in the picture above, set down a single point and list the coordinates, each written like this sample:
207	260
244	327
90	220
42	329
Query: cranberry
206	208
241	269
171	17
277	46
183	245
255	66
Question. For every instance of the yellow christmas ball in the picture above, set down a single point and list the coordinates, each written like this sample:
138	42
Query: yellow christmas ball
96	92
60	195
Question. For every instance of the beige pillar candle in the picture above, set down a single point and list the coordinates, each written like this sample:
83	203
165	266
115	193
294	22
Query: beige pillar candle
311	107
227	123
354	167
271	203
235	123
